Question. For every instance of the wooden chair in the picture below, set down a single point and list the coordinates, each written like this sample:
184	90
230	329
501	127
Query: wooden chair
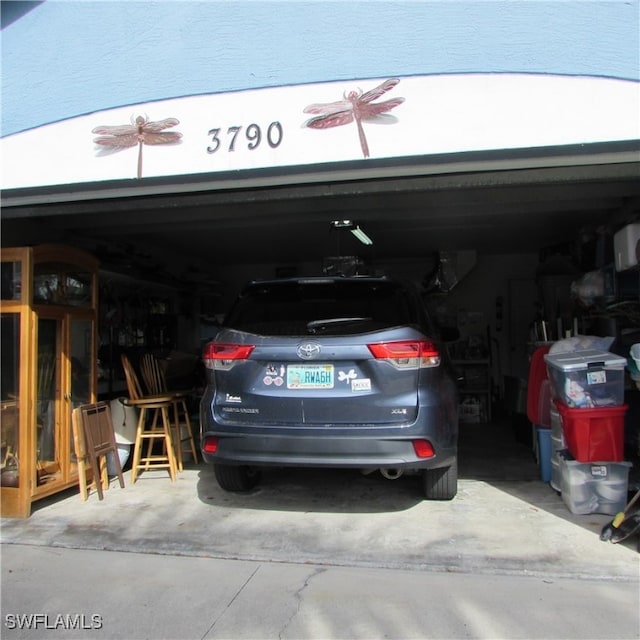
157	430
156	383
94	439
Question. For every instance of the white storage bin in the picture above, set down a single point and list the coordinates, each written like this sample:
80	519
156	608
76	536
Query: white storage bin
557	444
594	487
556	472
556	477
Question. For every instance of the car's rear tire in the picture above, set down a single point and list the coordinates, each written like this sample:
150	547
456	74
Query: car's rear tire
236	477
442	483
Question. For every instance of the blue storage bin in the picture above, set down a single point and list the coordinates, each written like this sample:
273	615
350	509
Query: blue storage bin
544	452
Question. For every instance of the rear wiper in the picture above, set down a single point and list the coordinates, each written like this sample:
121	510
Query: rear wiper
318	325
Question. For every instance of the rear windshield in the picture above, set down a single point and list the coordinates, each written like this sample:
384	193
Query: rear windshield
334	306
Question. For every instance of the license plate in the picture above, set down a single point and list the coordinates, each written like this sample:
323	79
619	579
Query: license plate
310	376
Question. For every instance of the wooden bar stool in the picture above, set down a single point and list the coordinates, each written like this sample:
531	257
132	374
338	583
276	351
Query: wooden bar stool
156	383
158	431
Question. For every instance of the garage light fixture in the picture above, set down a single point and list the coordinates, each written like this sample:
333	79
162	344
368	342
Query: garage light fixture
341	224
362	236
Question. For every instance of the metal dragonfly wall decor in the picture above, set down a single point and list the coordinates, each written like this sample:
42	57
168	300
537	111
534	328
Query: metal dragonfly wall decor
356	106
141	131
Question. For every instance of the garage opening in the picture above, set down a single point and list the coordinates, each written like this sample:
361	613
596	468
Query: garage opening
515	253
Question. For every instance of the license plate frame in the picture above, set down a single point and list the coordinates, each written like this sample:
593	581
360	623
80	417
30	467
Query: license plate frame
310	377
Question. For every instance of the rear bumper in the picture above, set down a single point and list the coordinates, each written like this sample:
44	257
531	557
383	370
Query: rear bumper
311	451
349	446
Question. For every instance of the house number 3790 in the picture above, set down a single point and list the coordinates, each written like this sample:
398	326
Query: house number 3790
251	135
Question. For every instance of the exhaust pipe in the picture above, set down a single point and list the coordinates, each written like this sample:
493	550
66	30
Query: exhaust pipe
391	474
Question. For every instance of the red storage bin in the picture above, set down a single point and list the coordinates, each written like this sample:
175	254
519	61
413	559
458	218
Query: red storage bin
537	375
594	435
544	405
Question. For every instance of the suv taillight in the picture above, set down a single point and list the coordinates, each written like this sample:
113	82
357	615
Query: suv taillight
220	355
407	354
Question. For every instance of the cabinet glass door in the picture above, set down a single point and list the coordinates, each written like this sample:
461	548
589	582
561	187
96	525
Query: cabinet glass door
48	381
11	283
81	359
9	399
80	362
64	374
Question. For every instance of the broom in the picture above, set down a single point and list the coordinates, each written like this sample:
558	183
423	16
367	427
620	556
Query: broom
609	529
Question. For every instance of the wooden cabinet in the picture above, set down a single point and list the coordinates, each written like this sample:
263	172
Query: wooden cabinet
49	352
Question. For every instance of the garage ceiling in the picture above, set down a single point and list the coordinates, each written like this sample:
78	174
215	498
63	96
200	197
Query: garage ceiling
497	205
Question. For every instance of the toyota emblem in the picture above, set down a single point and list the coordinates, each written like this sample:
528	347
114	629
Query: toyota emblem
308	350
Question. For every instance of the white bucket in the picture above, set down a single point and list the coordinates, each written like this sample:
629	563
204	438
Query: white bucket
124	450
635	354
125	420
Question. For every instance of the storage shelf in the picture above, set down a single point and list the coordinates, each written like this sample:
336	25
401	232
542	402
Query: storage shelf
478	372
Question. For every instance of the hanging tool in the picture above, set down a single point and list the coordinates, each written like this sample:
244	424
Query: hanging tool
617	527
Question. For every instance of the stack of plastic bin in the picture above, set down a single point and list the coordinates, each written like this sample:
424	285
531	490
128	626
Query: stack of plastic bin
588	388
558	447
